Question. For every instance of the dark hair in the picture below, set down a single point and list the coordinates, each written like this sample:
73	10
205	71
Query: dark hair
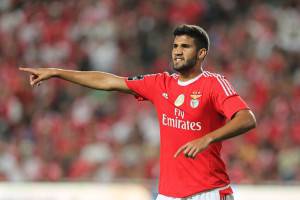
199	34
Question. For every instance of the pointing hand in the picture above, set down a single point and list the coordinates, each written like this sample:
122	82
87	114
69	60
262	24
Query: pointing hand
37	75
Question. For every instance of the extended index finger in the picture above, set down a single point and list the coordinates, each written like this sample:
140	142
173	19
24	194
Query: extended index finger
27	69
179	150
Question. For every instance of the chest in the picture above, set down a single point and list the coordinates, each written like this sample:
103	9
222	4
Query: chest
188	102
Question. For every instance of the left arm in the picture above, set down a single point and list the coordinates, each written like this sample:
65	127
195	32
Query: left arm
242	121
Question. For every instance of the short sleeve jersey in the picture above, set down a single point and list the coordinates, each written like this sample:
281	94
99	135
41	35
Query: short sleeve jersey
187	111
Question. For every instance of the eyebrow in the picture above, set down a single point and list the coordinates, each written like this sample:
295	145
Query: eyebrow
183	45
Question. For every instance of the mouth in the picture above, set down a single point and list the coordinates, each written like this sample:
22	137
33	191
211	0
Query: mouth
178	59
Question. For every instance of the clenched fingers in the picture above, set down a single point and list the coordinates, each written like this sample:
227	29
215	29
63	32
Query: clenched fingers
35	80
196	152
32	77
190	153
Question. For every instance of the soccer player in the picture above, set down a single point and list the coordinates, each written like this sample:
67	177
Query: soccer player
196	110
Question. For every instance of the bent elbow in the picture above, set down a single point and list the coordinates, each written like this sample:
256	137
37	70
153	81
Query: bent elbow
253	124
251	121
247	120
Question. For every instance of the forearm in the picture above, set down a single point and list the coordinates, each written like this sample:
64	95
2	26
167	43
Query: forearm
92	79
241	123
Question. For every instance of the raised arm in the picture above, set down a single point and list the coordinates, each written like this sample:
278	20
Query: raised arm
92	79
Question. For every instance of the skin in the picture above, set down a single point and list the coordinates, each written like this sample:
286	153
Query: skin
187	60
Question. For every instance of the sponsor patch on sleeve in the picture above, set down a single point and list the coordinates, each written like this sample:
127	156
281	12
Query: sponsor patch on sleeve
133	78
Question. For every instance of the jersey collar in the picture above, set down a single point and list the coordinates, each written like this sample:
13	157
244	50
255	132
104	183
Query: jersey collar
185	83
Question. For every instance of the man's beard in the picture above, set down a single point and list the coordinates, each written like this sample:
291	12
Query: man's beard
187	66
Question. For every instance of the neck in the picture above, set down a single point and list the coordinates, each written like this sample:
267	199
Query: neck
190	74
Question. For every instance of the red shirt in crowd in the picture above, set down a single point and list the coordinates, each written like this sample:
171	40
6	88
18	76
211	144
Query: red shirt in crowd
187	111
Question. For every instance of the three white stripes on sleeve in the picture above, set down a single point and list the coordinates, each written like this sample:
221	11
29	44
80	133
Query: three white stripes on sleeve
223	82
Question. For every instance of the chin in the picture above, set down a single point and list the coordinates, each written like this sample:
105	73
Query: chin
182	68
177	68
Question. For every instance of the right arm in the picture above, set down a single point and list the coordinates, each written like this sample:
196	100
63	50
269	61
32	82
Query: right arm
92	79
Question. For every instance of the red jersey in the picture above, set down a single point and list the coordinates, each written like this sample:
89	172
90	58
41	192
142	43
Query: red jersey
187	111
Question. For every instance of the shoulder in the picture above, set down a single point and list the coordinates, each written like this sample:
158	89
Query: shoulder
215	78
219	83
212	75
164	76
154	78
146	76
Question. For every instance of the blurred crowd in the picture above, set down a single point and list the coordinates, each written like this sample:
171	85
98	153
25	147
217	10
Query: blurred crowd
63	132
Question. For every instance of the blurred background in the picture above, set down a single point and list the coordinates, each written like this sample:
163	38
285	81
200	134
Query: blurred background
61	132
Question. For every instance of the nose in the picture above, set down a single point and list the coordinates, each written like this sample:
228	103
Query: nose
178	51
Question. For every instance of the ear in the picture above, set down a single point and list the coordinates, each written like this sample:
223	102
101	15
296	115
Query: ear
202	53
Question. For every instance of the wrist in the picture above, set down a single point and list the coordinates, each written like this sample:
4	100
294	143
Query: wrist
210	139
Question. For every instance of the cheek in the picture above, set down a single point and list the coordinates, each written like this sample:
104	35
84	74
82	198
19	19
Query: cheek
172	53
190	54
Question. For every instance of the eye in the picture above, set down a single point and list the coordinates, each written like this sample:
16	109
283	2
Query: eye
186	45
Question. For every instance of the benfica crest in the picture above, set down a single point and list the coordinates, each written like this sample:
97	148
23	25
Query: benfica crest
194	103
